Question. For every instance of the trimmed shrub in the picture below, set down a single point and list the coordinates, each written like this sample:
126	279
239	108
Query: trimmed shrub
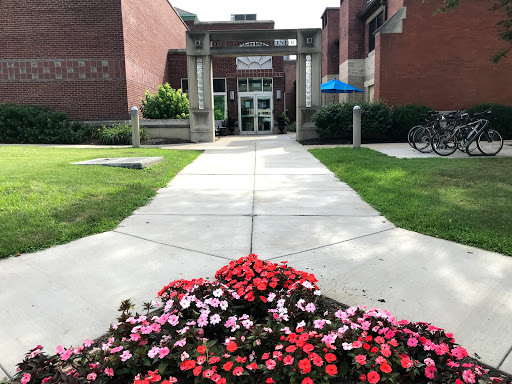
404	118
167	103
119	134
500	119
334	121
31	124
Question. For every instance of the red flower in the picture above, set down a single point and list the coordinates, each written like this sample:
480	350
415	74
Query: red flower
329	357
331	370
385	367
288	360
374	350
238	371
361	359
308	348
307	380
363	377
197	370
232	347
187	364
305	366
270	381
291	348
373	377
366	346
227	366
201	349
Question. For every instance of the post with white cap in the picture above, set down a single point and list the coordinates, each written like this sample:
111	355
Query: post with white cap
135	127
356	142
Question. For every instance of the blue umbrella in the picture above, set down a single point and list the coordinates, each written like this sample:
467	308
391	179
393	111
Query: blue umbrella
336	86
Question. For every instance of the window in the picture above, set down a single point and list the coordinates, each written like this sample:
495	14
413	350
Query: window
219	99
257	84
184	85
375	24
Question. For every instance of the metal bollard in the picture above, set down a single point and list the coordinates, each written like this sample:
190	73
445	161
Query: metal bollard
356	139
135	127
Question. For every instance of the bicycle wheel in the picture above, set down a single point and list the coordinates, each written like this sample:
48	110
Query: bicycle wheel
421	139
410	135
490	142
444	143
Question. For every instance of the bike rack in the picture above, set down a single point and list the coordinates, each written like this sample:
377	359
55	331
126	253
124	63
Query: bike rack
474	137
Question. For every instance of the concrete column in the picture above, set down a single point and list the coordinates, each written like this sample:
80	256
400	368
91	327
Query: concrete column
134	113
356	121
202	117
309	44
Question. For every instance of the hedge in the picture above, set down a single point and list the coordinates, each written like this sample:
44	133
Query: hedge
381	123
30	124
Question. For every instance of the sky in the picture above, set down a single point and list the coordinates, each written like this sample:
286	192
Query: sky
286	14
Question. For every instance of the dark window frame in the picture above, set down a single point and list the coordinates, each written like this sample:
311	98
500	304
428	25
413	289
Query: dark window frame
374	24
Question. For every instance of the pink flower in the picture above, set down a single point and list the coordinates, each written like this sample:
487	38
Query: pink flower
310	307
288	360
430	371
271	364
116	349
26	378
46	379
88	343
66	355
153	352
109	372
412	342
163	352
135	337
361	359
468	376
91	376
180	343
126	355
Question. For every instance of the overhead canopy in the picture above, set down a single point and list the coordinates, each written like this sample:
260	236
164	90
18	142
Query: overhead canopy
336	86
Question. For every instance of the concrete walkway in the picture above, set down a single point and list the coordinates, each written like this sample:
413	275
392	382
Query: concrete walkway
269	196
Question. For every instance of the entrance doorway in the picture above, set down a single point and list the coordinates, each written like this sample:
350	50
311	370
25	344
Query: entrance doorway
255	112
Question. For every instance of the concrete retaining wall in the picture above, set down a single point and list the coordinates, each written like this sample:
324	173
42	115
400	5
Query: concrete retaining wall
165	128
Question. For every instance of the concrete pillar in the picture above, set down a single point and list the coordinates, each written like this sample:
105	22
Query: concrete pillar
134	113
356	121
309	80
200	86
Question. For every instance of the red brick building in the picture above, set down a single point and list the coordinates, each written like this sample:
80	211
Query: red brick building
250	90
92	59
400	52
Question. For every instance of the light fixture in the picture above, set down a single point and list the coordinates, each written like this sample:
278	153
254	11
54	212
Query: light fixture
197	43
231	95
278	94
309	40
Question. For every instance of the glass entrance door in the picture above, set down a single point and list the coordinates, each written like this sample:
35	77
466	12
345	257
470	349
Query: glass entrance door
256	114
264	114
247	113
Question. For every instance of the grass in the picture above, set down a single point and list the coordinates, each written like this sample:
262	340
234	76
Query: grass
464	200
45	200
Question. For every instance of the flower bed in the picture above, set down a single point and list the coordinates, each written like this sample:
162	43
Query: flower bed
258	322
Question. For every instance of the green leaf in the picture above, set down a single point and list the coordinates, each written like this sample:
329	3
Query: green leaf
343	368
162	366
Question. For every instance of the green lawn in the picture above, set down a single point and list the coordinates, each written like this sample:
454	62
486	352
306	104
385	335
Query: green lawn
44	200
464	200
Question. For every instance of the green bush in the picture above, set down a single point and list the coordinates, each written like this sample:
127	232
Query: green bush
31	124
167	103
292	127
500	118
119	134
334	121
404	118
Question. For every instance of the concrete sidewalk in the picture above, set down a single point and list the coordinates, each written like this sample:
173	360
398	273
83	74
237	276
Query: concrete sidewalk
265	195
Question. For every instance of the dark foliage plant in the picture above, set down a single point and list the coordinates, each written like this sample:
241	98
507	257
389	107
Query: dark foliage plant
31	124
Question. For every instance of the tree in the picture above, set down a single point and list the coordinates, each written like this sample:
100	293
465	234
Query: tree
504	26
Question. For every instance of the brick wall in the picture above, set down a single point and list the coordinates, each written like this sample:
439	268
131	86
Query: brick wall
150	28
290	75
351	30
450	68
393	6
68	55
330	49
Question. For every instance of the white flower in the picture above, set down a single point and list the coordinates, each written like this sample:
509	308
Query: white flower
217	293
